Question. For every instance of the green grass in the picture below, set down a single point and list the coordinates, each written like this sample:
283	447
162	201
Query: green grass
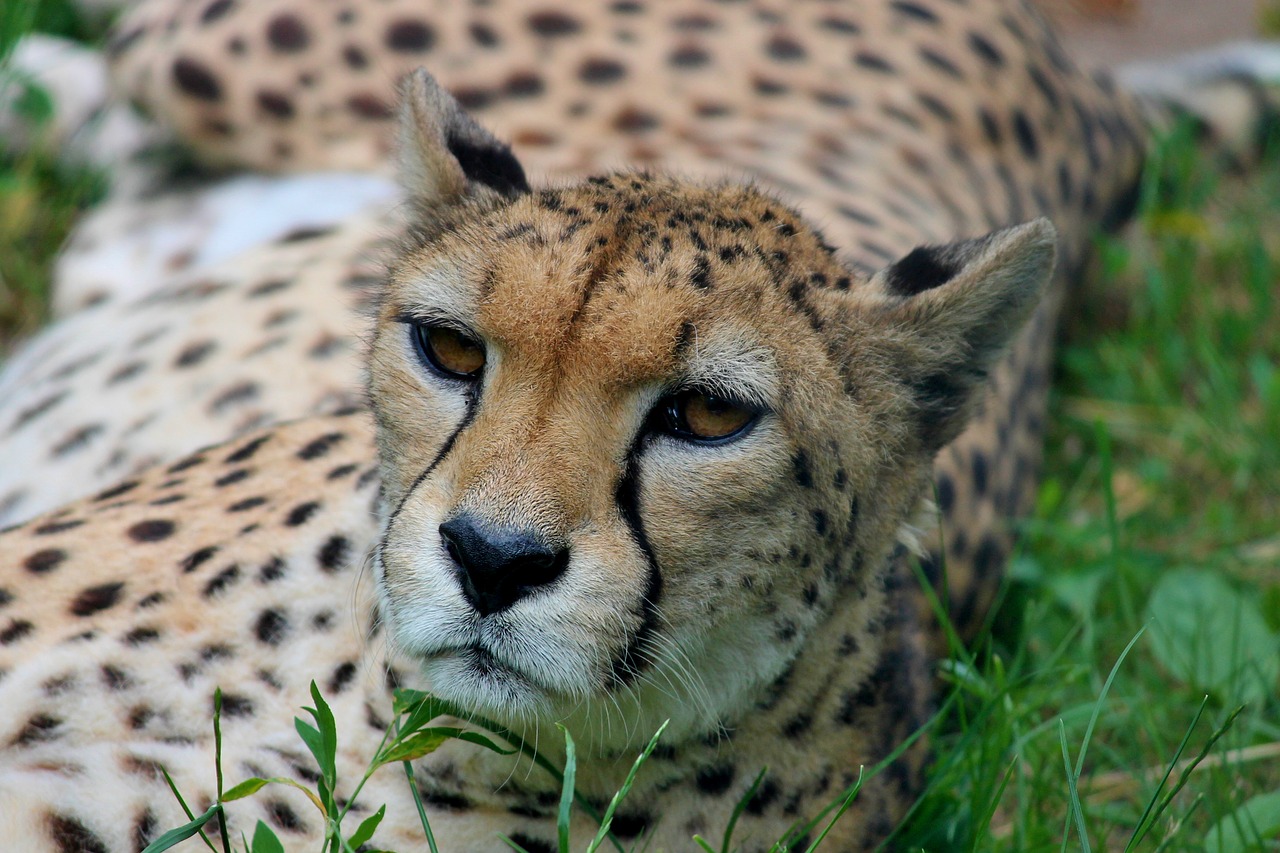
39	199
1083	721
1158	514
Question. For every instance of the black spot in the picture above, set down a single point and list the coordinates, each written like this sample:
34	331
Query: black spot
872	62
152	530
342	677
272	570
77	439
233	477
115	678
45	561
287	33
764	796
633	120
247	504
409	36
222	580
320	446
984	48
919	270
797	725
193	560
213	12
523	84
689	56
765	86
18	628
552	24
144	827
116	491
800	464
940	62
979	465
141	636
271	627
334	554
483	35
126	372
275	104
301	513
235	395
839	25
236	706
716	779
195	80
243	453
96	598
915	10
354	57
29	414
531	844
785	49
988	558
193	354
1027	141
701	277
342	471
946	493
5	596
72	836
51	527
990	127
630	825
600	71
819	522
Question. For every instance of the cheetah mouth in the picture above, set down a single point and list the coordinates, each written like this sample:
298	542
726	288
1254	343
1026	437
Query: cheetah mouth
476	677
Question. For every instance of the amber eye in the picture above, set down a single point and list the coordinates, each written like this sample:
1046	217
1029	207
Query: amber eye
698	416
452	353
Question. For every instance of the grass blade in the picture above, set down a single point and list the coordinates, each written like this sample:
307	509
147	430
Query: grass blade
844	807
186	809
1142	827
1077	811
740	807
566	789
180	834
217	767
625	789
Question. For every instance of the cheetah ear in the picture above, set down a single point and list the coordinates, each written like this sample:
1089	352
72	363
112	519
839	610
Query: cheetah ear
444	155
960	305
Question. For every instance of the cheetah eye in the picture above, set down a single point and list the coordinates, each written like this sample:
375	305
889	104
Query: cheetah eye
702	417
449	352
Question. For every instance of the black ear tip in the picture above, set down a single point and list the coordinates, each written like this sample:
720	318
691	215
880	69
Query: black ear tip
492	165
921	269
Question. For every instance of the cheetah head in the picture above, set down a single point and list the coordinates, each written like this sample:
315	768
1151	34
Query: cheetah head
642	439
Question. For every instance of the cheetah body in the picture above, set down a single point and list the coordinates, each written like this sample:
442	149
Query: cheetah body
757	594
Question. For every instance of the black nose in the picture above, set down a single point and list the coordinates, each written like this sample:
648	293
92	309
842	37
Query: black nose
498	566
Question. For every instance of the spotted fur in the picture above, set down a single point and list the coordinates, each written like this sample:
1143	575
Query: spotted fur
868	293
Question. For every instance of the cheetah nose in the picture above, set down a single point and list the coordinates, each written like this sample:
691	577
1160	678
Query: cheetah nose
498	566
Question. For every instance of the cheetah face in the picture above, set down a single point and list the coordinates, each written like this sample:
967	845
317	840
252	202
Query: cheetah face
639	439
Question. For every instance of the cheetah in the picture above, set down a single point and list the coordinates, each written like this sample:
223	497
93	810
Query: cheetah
633	448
